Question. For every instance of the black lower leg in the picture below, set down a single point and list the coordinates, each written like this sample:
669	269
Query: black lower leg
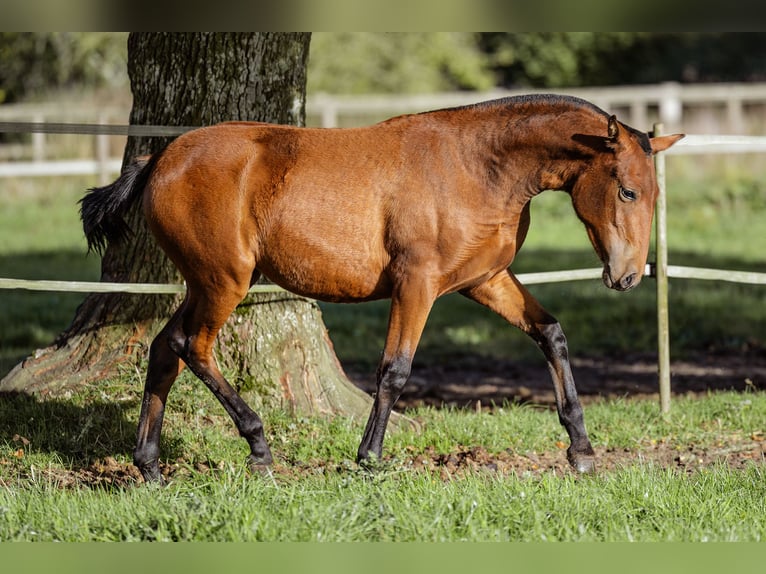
392	376
146	455
162	371
251	429
580	452
248	423
201	362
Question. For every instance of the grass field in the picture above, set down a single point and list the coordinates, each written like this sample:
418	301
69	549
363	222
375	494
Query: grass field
497	475
40	238
65	474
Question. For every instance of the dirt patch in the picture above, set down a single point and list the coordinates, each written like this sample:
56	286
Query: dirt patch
475	459
460	461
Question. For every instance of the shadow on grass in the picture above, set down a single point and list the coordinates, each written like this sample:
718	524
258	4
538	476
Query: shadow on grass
78	434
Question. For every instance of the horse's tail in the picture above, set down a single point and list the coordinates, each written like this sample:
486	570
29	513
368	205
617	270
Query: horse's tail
103	209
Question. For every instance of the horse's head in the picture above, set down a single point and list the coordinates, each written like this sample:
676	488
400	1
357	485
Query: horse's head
615	197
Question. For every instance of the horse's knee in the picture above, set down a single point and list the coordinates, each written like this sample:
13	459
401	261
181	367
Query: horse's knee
553	341
393	375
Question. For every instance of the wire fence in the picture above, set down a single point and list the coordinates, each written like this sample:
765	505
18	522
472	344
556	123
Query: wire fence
661	270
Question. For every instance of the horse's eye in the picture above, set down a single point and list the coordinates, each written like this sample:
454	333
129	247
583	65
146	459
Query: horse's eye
628	194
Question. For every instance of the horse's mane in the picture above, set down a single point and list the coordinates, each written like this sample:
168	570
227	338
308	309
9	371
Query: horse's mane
559	100
529	99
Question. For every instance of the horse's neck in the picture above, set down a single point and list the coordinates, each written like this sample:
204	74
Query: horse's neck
547	159
549	152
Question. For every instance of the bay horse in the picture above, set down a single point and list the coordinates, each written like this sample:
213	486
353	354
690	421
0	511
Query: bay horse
409	209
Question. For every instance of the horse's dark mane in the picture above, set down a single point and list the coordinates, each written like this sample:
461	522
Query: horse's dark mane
527	99
553	100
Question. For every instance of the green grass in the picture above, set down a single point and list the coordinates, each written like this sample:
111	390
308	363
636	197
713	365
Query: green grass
40	238
317	494
635	505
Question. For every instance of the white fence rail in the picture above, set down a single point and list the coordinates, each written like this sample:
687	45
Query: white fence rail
718	144
670	103
61	167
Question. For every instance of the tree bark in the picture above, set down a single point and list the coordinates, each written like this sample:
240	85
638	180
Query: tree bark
274	347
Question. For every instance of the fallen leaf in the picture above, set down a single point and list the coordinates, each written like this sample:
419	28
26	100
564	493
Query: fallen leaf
23	440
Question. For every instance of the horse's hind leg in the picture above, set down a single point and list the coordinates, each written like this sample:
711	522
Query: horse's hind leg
206	311
164	368
410	306
507	297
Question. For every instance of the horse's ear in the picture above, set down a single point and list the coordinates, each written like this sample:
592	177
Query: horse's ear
601	143
613	134
661	143
613	129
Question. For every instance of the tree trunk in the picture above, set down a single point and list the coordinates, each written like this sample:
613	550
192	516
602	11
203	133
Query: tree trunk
275	347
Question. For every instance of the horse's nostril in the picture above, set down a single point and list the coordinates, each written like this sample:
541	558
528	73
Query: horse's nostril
627	281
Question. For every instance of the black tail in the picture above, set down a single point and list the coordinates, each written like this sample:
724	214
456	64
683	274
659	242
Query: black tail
103	209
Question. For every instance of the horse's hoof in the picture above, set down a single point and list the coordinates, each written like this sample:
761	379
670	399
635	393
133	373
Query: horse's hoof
260	464
152	475
582	463
371	462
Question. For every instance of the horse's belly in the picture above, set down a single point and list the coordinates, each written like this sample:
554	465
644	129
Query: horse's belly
324	243
327	277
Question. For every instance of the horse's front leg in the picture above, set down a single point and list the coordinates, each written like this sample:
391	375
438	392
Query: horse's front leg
507	297
410	306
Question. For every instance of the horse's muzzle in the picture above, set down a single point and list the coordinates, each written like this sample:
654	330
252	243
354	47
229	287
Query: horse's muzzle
622	283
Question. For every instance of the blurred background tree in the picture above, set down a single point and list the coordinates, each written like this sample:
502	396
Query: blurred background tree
361	62
366	62
570	59
33	65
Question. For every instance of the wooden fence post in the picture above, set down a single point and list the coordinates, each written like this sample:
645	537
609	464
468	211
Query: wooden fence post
661	274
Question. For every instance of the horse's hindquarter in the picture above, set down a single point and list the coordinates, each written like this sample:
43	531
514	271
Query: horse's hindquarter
195	207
